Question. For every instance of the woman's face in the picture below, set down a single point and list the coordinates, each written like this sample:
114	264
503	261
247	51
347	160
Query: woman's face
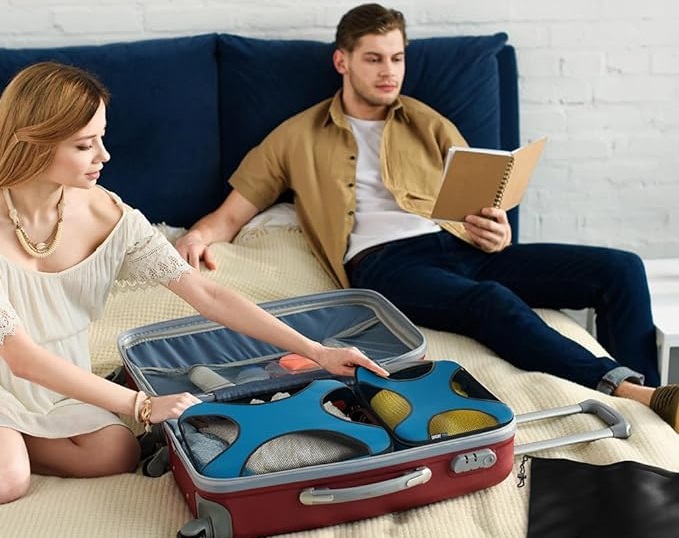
79	159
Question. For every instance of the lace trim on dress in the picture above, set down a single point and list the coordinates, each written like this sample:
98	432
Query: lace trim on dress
8	324
147	266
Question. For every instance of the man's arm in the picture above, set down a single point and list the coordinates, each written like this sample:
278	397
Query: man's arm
221	225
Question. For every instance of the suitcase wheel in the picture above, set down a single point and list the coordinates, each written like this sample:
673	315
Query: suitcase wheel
197	528
158	464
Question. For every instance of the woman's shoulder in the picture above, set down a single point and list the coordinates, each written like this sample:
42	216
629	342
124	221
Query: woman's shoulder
104	210
106	201
108	208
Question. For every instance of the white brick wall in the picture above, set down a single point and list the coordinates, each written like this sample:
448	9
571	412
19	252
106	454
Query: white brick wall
599	77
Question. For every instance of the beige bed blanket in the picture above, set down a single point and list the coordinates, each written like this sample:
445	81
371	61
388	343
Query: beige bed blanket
266	265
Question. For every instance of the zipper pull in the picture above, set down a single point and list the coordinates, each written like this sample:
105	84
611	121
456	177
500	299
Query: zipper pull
522	473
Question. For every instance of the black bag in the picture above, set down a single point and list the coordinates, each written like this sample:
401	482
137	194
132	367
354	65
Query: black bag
570	499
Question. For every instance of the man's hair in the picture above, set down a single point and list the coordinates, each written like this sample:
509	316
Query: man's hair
367	19
44	104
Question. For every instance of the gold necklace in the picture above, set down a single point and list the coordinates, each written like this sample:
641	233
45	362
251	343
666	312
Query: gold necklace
39	249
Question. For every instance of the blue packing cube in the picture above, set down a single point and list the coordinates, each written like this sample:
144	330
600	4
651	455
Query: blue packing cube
430	401
227	440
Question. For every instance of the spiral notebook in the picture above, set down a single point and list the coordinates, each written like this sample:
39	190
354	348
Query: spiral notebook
474	178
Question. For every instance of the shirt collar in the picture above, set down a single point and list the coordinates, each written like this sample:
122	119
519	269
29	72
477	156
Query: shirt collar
336	112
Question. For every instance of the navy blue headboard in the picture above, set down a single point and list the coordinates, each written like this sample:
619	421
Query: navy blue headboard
185	111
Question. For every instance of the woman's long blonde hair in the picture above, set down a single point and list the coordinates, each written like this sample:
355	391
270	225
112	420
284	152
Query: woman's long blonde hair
44	104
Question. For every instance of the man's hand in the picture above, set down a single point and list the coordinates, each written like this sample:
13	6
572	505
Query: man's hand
491	231
223	224
193	249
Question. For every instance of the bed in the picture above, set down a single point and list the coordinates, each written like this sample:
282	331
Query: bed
269	260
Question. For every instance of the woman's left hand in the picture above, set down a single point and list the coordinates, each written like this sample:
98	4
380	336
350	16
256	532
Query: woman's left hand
343	361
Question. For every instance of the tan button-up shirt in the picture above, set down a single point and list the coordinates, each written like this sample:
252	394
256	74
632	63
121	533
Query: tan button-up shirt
314	154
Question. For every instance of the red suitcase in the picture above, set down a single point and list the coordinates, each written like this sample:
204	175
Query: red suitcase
160	358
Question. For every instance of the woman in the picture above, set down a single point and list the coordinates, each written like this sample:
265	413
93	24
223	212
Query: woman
63	242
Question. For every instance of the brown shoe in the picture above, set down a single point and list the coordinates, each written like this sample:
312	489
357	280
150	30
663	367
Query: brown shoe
665	402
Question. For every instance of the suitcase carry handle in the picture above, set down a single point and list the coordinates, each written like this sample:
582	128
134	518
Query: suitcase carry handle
313	496
617	425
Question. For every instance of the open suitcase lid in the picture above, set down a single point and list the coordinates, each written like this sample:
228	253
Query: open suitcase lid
187	353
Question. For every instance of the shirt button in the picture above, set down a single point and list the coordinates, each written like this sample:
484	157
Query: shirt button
350	212
350	185
352	157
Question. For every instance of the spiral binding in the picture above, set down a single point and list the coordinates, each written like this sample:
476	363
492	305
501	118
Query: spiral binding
503	184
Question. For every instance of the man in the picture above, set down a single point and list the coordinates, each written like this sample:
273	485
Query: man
365	167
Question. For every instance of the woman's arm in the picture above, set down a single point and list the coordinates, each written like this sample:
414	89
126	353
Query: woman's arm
34	363
232	310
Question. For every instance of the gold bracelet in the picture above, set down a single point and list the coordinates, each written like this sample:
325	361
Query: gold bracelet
137	404
138	400
145	414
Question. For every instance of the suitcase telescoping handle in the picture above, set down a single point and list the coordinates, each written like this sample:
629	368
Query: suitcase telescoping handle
312	496
616	426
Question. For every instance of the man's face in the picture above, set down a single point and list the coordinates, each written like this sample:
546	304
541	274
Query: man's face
373	72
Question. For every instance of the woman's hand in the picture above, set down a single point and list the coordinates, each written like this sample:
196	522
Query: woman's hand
343	361
491	231
170	406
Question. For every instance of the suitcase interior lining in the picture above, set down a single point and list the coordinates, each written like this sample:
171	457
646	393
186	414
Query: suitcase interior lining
165	363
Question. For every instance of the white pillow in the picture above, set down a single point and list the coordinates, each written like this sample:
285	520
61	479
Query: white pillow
277	216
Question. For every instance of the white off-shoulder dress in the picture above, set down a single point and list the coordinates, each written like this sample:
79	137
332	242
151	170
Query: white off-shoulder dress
56	309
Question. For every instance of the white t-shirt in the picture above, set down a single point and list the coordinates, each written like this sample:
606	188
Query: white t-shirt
379	219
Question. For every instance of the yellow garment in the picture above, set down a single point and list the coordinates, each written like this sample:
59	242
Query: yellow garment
392	408
314	154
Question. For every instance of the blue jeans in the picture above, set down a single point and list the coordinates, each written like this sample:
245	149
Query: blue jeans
443	283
